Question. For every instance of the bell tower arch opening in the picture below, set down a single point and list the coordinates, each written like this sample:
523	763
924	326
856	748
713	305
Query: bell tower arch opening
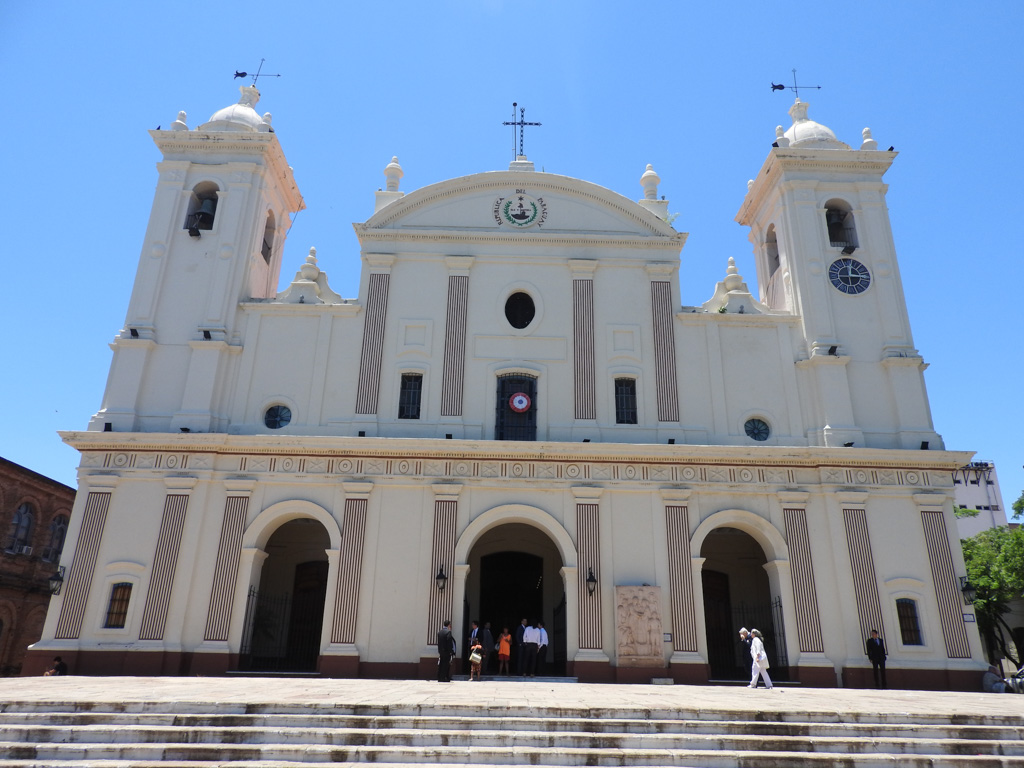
515	573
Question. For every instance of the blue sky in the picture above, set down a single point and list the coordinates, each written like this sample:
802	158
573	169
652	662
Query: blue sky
683	86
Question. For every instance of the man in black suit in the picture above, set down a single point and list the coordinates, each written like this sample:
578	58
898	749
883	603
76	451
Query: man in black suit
874	646
445	652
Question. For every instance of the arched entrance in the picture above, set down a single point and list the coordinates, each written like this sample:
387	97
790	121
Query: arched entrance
738	593
515	573
285	613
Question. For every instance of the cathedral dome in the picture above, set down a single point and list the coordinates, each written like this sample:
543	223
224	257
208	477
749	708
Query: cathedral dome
238	117
809	134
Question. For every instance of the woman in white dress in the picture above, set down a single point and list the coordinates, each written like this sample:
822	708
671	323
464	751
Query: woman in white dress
760	658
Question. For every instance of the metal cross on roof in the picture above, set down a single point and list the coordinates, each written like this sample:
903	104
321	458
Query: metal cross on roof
521	122
794	87
256	76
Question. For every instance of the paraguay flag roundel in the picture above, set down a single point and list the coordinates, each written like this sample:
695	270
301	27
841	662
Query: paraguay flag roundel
519	402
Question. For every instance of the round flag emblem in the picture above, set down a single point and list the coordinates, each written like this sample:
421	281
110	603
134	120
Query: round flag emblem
519	402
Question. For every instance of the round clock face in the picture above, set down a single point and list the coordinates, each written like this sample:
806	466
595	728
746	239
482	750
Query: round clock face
849	276
519	402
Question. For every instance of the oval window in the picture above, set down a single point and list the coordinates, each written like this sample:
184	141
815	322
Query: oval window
519	310
277	416
757	429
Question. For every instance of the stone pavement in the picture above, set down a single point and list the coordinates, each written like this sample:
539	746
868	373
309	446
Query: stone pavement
227	694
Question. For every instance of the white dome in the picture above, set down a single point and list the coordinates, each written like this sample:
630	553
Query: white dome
240	116
809	134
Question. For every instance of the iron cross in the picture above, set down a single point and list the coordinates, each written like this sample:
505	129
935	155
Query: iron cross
521	122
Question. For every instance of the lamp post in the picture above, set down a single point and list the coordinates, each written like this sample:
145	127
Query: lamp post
969	590
57	581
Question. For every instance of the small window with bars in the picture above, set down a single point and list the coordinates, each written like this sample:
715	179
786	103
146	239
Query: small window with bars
910	627
409	396
117	610
625	401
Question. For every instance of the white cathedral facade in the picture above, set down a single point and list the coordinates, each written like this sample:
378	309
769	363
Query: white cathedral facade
514	418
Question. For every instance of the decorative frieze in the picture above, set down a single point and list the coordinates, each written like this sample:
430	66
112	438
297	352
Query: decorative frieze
570	468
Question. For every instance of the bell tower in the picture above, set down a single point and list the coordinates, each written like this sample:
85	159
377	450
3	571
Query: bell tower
824	251
215	238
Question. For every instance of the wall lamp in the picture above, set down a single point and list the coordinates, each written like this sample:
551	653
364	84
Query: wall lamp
969	590
57	581
591	581
441	580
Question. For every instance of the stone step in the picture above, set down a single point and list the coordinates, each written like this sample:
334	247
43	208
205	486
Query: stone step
485	713
405	739
237	755
336	729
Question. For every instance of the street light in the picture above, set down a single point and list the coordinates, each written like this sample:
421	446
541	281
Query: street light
56	581
591	581
440	579
969	590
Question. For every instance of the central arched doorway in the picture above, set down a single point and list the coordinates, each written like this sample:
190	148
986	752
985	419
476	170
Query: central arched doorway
738	593
285	613
515	573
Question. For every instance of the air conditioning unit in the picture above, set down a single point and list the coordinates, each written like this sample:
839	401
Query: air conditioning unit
25	550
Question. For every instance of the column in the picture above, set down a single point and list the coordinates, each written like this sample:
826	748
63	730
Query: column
165	557
454	369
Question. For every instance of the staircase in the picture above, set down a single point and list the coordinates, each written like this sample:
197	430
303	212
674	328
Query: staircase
467	731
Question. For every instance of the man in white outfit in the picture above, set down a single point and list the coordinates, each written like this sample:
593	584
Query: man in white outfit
542	647
760	659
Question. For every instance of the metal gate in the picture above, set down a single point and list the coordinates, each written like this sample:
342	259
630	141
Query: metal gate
281	632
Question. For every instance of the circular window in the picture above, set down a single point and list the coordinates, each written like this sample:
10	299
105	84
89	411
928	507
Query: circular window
757	429
277	416
520	310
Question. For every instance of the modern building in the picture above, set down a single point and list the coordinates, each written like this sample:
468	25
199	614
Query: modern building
34	514
515	417
976	486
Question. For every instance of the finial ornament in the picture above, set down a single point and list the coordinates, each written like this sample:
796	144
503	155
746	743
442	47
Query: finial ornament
649	181
794	87
868	141
181	123
393	173
521	123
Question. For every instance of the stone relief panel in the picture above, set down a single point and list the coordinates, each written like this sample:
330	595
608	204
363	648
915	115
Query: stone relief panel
638	629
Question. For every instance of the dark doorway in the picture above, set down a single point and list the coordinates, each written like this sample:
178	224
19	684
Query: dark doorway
284	615
511	589
737	594
516	419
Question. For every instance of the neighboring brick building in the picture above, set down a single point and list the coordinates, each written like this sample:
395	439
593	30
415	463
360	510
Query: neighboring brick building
34	513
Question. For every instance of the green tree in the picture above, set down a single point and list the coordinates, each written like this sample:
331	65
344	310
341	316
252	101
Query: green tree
1018	507
995	566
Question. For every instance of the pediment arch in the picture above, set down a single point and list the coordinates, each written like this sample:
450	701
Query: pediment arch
469	203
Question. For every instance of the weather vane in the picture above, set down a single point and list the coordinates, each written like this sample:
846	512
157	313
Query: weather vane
521	122
794	87
255	77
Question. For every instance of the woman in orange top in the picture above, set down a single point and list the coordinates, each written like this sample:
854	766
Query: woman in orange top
504	650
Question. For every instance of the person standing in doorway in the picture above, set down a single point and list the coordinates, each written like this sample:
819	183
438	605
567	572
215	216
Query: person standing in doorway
520	650
487	641
542	648
874	647
760	658
504	650
531	641
445	652
745	639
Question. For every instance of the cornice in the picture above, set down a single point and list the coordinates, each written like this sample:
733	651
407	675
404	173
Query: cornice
372	235
220	444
